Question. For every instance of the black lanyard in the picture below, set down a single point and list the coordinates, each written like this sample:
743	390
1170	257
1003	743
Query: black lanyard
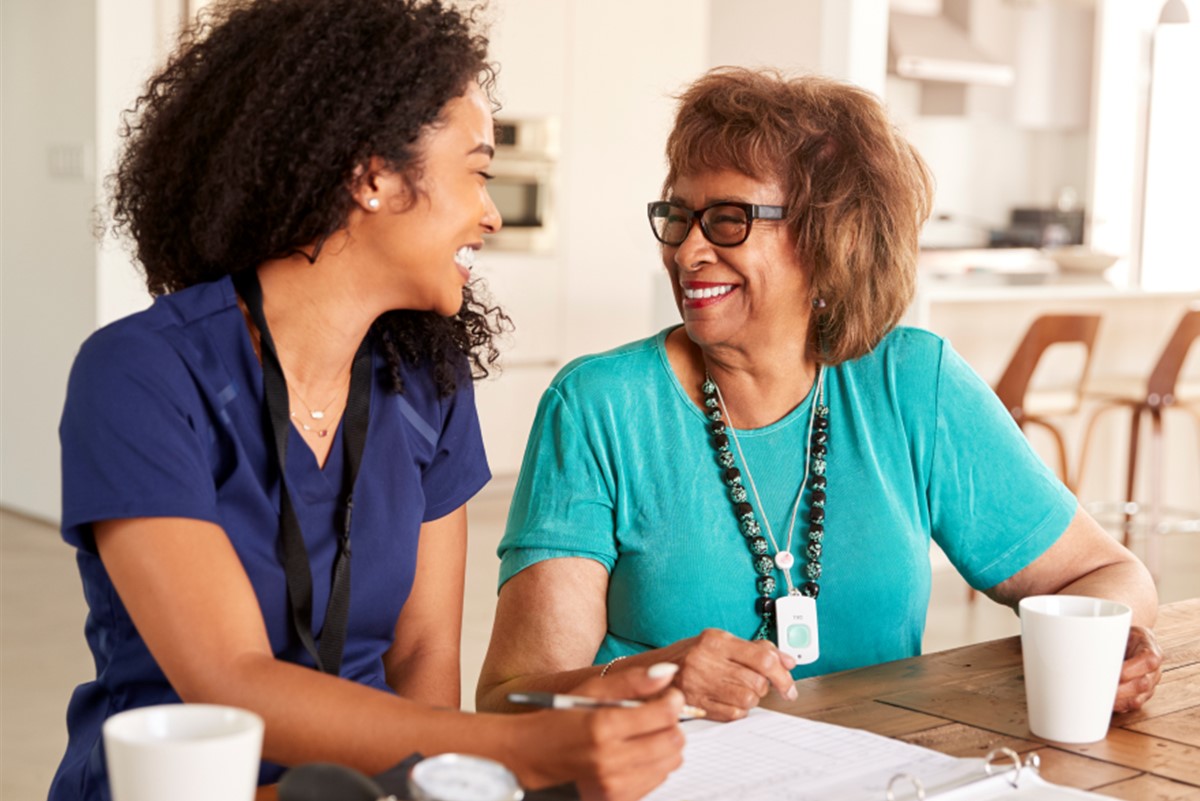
354	438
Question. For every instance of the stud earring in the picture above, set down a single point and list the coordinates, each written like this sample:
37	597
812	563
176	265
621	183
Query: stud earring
818	303
373	204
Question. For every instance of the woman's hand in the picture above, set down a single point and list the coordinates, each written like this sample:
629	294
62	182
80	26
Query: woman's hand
612	754
1141	672
726	675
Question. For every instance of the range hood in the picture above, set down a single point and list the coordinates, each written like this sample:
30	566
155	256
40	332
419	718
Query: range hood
931	47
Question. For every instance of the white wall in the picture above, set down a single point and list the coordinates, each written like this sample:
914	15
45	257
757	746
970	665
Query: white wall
69	68
1123	34
768	33
607	72
47	258
132	38
1169	258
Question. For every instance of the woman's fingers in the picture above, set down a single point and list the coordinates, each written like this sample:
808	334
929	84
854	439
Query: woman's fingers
772	664
1141	671
719	664
1142	654
633	749
609	750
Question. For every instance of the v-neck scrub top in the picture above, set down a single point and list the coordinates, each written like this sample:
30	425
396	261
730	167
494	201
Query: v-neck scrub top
165	418
620	469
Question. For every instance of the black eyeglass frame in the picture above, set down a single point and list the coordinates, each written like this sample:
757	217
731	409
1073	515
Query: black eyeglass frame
753	211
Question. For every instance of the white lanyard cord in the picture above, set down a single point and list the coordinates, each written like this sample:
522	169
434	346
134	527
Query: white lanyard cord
818	399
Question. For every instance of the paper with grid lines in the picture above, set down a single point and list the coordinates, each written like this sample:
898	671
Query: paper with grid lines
776	757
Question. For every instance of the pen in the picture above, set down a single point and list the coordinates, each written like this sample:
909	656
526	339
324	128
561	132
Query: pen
560	701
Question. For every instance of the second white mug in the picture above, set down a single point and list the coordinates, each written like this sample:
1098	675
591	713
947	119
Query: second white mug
1072	648
183	752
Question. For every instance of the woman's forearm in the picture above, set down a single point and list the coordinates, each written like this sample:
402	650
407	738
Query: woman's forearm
428	676
1085	561
493	696
1128	582
311	716
492	693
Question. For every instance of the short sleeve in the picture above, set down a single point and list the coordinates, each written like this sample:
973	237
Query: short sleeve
995	506
459	467
563	504
134	439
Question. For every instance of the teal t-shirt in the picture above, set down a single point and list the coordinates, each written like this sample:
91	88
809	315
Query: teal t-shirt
619	468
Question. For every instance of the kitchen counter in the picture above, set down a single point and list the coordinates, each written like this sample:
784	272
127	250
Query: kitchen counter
988	288
1022	283
984	319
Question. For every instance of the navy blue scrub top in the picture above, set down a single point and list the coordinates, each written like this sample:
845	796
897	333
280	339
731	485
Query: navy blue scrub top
165	418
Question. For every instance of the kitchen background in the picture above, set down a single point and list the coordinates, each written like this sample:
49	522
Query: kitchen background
1036	105
1044	121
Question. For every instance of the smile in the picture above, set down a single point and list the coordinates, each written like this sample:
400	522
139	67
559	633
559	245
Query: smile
701	293
465	257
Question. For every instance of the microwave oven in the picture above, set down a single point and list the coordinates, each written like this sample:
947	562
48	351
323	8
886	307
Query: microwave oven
525	170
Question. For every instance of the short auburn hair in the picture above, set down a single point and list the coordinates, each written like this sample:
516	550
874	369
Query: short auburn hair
857	193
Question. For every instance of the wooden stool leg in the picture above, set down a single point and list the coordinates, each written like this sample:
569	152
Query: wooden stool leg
1135	425
1064	466
1155	495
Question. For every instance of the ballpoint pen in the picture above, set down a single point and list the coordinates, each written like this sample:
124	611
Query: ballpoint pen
560	701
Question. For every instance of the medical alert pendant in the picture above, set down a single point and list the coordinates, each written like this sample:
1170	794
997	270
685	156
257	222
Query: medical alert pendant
796	628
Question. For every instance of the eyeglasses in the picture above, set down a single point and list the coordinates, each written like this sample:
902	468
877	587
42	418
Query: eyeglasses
724	224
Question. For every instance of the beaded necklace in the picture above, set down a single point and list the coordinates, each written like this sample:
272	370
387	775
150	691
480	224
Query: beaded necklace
815	464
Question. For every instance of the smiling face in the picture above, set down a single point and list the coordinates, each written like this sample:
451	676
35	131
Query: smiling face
735	296
421	246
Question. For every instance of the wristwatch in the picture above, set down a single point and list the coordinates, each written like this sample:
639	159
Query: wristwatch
458	777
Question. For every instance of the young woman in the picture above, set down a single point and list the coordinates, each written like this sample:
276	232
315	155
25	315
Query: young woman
265	473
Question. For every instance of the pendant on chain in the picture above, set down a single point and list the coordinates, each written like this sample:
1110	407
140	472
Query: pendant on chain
791	620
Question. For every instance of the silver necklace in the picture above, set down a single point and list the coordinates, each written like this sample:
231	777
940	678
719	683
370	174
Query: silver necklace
318	415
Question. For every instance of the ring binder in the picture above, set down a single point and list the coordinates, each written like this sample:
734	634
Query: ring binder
988	761
891	795
1013	779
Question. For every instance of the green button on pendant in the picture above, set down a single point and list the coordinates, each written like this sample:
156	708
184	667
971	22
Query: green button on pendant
799	636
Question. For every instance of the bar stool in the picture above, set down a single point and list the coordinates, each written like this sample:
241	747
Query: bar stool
1031	406
1151	396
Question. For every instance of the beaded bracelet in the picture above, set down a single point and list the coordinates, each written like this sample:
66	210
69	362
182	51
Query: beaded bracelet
609	664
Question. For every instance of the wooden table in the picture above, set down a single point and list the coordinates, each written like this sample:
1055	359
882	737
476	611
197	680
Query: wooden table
969	700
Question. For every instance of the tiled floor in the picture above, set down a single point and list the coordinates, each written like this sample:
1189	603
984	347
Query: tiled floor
43	656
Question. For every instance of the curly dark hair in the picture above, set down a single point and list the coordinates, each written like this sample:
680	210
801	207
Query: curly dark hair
243	148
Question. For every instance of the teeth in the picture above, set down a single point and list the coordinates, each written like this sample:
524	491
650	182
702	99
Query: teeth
465	257
707	292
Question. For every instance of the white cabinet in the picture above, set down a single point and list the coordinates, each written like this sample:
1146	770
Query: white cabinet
1053	61
607	72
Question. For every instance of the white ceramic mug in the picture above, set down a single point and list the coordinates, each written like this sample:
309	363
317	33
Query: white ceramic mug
1073	647
183	752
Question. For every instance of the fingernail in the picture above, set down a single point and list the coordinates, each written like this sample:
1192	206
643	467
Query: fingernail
792	694
661	670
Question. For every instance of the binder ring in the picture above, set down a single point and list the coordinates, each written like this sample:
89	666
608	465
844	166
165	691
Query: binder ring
1011	754
891	793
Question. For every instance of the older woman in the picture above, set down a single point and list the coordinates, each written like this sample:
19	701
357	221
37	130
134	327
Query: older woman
754	492
306	185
